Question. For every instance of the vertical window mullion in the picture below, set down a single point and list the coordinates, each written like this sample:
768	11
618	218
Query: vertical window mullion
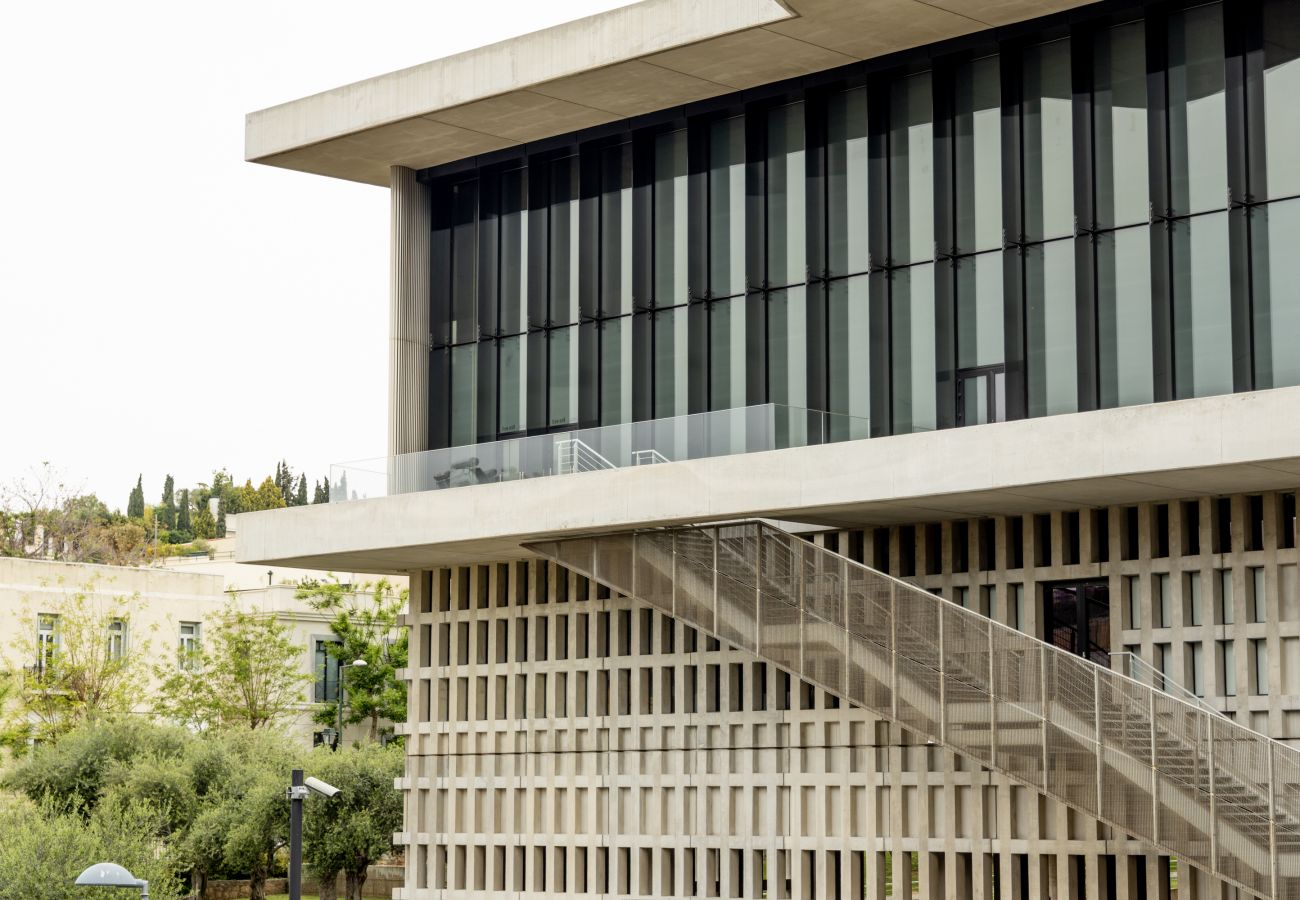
1082	60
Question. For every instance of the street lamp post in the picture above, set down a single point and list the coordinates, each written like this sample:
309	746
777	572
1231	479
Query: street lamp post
355	664
296	793
114	876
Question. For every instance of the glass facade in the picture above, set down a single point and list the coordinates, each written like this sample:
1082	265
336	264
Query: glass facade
1087	211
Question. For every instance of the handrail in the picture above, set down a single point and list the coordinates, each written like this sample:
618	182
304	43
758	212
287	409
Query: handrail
572	455
1175	774
1140	670
649	457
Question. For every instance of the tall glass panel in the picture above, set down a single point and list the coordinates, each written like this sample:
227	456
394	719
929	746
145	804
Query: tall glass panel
980	322
564	241
464	262
911	170
464	374
1048	142
671	357
727	353
847	157
727	207
616	230
849	351
1202	307
1120	119
616	371
1281	101
562	359
513	362
786	204
1051	328
1275	235
977	130
513	270
1198	143
670	219
913	349
1124	330
787	347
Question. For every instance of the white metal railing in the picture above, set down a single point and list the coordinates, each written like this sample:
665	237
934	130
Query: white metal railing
1216	795
650	457
1139	669
573	455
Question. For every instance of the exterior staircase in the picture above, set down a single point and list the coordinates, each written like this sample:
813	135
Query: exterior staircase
1179	776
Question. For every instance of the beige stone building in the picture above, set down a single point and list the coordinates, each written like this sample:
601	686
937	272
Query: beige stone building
839	448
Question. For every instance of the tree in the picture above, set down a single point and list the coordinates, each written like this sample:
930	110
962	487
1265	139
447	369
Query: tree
348	832
300	497
322	492
284	480
269	496
183	511
364	622
221	518
247	674
204	524
29	508
167	510
135	504
82	662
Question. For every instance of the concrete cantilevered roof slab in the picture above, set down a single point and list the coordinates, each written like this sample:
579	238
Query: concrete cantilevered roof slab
652	55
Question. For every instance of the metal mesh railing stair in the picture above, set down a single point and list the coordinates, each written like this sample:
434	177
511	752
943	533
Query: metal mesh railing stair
1176	775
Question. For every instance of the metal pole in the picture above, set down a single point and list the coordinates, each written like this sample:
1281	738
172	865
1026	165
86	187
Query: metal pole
144	889
1272	824
1214	801
296	793
1096	724
338	740
943	684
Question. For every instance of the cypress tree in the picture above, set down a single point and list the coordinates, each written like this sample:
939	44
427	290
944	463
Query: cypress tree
300	497
322	493
183	512
167	512
221	517
135	504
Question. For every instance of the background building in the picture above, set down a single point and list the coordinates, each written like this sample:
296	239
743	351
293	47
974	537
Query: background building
992	298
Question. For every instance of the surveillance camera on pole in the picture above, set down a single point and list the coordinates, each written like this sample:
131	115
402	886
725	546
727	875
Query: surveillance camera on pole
296	793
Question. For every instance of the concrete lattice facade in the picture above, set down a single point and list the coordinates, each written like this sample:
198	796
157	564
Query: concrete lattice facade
564	741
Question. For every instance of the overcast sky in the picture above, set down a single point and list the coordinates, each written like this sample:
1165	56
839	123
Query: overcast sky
164	305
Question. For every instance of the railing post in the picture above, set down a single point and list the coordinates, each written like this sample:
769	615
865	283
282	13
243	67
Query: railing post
672	561
1042	687
1272	824
993	705
1155	773
717	536
635	595
943	684
800	588
848	642
758	593
1096	716
893	648
1214	801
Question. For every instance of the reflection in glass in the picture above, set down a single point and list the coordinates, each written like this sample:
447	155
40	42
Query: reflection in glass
727	207
464	372
670	217
913	346
514	253
977	130
1048	142
911	170
846	182
1198	146
1275	234
848	350
1281	101
564	241
980	311
787	351
1202	307
616	371
786	207
513	362
727	353
1051	326
671	357
1124	332
1120	119
562	356
616	230
464	262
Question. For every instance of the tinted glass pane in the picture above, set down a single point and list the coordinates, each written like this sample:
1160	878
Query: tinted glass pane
1048	141
616	371
846	181
1275	235
513	362
1051	328
564	241
848	351
787	353
562	358
670	211
1281	100
977	128
786	207
514	251
727	353
1198	148
464	373
1202	307
912	340
670	363
911	170
1124	317
464	262
980	311
1120	119
727	207
616	231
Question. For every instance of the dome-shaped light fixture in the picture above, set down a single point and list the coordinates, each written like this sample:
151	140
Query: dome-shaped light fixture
109	874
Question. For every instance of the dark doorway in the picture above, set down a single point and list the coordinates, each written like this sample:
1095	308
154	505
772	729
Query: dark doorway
1077	618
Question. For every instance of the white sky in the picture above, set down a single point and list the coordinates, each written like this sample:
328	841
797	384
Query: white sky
164	305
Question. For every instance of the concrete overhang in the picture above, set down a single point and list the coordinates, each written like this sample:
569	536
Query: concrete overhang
1189	448
650	56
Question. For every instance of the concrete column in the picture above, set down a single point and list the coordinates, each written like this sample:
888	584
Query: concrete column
409	324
